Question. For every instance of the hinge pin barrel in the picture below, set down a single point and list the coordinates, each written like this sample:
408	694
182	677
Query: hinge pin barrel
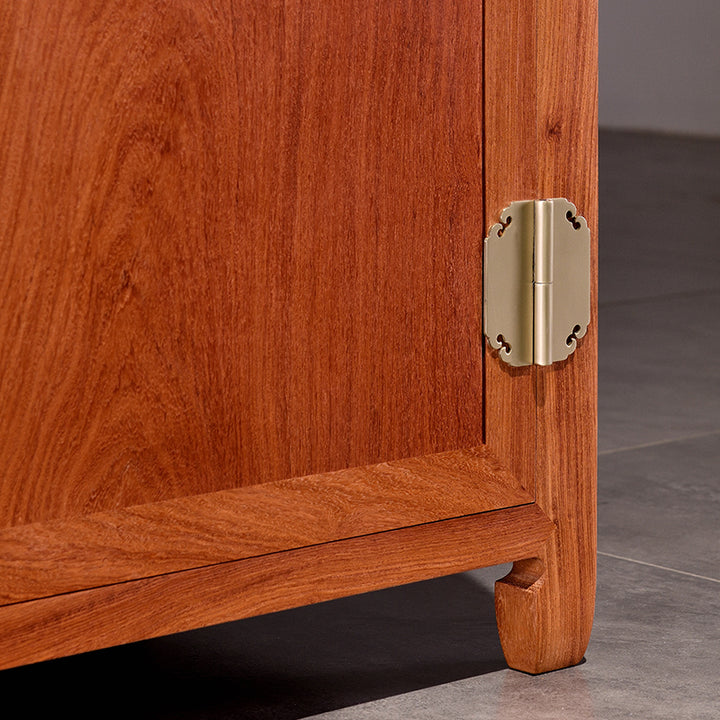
542	282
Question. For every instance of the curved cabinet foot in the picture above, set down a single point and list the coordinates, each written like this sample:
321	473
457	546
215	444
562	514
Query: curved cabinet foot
544	609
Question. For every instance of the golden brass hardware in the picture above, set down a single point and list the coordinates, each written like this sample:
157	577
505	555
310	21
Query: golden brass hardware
536	298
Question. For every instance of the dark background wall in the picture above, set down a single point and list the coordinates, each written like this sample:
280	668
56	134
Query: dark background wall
660	65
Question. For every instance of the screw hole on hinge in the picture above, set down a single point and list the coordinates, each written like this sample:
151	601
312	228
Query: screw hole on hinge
505	344
573	221
504	225
573	336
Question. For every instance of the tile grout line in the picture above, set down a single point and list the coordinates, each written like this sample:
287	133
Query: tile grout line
659	567
681	295
655	443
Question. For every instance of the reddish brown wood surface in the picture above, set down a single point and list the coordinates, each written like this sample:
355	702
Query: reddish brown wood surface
545	606
77	622
176	337
510	159
240	242
116	546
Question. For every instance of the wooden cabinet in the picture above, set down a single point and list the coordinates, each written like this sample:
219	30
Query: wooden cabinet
242	359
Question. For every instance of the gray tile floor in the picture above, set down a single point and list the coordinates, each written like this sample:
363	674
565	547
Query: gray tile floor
430	650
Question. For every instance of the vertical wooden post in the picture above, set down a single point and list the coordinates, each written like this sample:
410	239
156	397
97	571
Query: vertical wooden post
545	605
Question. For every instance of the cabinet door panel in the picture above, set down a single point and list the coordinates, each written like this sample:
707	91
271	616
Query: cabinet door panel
242	244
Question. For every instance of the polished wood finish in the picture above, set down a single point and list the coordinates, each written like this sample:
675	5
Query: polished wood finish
145	540
240	272
510	165
92	619
240	243
545	605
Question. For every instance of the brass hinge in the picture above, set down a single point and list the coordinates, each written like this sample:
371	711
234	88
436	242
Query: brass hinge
536	300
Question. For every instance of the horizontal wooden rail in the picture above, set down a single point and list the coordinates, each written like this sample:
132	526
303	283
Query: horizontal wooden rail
121	613
104	548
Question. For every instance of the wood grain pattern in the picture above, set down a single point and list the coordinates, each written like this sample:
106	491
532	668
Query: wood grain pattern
115	296
92	619
183	533
510	158
239	243
545	605
241	266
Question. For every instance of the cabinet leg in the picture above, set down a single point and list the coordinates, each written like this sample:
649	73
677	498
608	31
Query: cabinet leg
544	608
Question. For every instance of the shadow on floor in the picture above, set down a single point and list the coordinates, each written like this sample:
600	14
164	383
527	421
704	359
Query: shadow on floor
282	666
